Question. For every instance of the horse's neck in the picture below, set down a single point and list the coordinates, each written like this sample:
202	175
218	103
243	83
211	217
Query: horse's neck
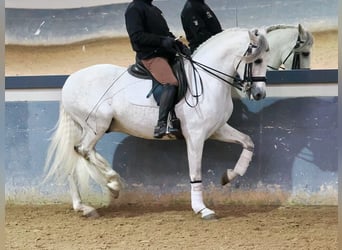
281	42
207	89
286	37
220	56
222	52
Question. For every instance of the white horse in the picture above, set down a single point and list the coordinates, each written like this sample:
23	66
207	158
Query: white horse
104	98
290	47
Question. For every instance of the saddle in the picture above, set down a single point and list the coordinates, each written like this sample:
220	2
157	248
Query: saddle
138	70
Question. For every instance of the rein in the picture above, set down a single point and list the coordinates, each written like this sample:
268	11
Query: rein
296	57
238	83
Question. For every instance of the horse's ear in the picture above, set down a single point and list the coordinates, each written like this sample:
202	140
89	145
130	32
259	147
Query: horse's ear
300	29
256	32
252	35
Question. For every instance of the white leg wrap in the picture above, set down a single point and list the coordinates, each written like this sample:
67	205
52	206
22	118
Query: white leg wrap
231	174
243	162
197	197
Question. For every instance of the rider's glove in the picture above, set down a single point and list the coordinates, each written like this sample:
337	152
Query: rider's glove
183	49
168	43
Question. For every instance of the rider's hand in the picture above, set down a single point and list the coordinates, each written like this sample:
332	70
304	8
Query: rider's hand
168	43
186	51
183	49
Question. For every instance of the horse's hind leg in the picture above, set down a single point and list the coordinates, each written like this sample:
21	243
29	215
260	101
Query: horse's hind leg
228	134
98	167
77	204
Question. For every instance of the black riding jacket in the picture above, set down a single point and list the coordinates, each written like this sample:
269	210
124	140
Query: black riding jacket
199	22
146	28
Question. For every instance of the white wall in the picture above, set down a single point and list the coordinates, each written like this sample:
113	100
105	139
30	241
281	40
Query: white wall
59	4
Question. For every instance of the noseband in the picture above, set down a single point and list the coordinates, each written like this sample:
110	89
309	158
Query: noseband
248	78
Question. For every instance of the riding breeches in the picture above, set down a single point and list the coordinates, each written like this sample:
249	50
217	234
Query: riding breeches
160	70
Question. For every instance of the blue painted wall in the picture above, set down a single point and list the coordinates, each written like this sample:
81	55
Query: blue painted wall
295	150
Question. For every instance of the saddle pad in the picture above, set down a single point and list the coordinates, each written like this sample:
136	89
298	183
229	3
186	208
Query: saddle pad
136	93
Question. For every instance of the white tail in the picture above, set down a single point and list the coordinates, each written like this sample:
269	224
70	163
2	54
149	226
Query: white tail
61	158
63	161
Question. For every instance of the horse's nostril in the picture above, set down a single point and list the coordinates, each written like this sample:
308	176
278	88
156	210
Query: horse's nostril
259	96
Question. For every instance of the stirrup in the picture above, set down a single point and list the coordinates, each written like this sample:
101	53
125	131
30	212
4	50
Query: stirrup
175	132
160	129
175	123
175	128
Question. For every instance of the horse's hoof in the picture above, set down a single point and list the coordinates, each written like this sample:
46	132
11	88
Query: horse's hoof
114	189
114	193
91	214
208	214
228	177
114	185
210	217
224	179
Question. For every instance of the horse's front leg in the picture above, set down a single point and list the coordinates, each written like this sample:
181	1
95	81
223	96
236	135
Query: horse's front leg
195	151
228	134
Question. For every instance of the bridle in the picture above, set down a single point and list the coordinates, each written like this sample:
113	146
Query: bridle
248	78
296	56
238	83
244	84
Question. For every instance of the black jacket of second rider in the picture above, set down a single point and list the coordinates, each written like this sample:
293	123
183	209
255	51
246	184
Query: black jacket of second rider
146	28
199	22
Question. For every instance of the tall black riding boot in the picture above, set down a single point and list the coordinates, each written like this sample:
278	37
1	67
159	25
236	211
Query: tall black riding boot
174	120
175	127
167	101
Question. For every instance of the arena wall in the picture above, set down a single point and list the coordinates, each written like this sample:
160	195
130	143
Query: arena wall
39	22
294	134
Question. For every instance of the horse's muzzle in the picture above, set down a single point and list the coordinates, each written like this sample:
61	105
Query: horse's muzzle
258	93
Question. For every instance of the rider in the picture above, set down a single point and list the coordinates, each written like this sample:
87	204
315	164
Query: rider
155	45
199	22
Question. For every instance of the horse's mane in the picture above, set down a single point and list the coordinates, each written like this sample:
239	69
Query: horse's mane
279	26
263	44
308	37
222	33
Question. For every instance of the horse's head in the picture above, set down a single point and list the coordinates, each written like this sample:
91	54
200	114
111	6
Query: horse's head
254	72
302	49
290	47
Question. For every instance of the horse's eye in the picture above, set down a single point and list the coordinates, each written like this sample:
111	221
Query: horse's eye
306	54
258	61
